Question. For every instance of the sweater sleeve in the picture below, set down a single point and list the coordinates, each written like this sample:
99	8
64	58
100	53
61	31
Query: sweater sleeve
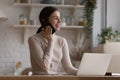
42	58
68	67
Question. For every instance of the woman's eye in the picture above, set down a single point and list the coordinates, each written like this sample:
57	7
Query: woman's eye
55	18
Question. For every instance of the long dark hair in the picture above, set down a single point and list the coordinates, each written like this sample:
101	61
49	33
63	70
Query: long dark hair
44	15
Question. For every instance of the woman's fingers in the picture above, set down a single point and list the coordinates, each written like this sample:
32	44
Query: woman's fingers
48	30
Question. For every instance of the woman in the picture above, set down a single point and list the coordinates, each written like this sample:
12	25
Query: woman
47	50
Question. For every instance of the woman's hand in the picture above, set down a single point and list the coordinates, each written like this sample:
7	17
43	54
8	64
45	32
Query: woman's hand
48	33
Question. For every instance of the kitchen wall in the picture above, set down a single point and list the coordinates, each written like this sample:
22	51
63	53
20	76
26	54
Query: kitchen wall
12	48
13	41
113	14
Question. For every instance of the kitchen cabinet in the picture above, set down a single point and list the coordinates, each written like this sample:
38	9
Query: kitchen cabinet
32	5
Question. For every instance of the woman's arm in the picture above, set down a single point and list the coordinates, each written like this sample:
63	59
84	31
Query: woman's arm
68	67
42	58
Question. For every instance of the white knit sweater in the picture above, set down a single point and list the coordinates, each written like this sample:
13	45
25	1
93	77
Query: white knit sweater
46	57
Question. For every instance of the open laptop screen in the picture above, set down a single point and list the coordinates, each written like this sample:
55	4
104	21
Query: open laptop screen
94	64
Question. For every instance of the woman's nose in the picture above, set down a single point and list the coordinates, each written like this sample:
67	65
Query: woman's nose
59	21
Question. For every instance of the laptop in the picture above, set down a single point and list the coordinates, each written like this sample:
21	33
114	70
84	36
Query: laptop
94	64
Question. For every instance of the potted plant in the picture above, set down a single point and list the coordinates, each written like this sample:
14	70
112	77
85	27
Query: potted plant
90	6
106	35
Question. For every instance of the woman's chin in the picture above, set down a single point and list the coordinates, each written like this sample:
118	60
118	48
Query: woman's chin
58	29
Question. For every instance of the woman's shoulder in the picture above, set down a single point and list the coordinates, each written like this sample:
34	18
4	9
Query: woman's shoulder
34	37
61	40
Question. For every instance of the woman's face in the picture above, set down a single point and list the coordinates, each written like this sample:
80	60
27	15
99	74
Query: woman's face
55	20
